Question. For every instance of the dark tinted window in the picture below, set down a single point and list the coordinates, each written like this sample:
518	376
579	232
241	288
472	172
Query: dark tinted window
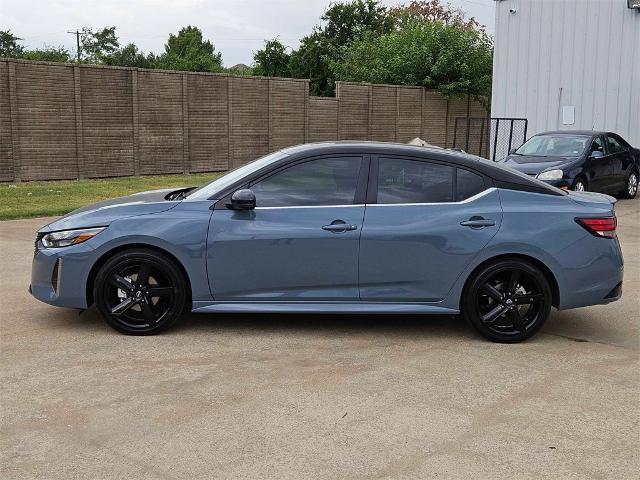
597	145
327	181
413	181
614	145
468	184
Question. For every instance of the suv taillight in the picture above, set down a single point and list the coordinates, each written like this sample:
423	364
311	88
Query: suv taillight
599	226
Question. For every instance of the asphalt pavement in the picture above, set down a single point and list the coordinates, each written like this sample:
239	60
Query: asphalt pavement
326	397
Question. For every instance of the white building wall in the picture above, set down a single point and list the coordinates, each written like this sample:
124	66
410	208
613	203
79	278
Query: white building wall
582	53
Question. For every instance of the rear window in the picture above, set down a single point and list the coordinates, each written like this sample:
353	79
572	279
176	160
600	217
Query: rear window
468	184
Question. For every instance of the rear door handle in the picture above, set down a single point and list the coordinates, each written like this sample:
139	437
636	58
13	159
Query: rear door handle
478	222
339	226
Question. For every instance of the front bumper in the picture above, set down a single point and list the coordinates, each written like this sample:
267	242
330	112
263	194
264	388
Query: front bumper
59	275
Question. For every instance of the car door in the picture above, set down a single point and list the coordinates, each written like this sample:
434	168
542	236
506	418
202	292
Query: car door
424	222
599	168
301	241
620	158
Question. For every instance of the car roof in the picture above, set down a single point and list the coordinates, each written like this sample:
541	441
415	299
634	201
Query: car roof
591	133
498	172
373	147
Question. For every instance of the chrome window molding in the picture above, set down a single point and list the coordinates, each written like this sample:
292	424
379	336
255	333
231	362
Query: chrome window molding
310	206
466	200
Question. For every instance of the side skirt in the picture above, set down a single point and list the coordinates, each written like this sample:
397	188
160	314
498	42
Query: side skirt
320	307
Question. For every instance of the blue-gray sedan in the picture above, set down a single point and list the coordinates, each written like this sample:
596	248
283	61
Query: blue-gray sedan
339	227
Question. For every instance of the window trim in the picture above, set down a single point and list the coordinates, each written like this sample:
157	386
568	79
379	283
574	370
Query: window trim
470	199
372	190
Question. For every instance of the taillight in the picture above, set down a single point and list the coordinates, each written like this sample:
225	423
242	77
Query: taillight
599	226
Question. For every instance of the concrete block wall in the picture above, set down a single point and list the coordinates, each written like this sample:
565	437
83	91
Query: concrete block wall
64	121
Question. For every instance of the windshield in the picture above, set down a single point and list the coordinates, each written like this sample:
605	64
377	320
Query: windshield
560	145
210	189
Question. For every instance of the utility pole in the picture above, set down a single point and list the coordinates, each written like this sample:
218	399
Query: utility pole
77	34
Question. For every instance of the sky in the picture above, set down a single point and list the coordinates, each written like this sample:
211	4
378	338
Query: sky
236	27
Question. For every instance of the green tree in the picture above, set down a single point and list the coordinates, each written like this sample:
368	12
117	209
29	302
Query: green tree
272	60
95	46
188	51
48	54
429	11
450	57
130	56
9	46
342	23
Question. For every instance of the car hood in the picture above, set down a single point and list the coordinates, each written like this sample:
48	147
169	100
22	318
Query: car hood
105	212
533	165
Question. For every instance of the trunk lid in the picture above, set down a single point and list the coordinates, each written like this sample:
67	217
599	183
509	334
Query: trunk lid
593	199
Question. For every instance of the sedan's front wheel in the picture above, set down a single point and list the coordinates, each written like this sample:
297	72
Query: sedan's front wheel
580	185
507	300
140	292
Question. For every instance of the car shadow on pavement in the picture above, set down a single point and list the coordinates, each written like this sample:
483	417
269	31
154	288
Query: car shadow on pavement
569	325
406	325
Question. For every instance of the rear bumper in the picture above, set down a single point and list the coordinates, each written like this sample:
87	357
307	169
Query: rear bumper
595	279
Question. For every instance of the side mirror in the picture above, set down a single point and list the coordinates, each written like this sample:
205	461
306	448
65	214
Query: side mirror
243	199
597	154
512	150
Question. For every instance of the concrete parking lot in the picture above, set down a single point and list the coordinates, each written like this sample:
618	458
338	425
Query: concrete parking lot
285	396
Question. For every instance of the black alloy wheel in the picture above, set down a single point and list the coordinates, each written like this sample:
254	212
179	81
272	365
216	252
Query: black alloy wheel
140	292
508	301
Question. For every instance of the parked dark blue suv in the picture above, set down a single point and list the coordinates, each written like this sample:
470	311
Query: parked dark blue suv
580	160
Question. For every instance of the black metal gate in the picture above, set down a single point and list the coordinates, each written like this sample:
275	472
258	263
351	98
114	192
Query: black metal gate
489	137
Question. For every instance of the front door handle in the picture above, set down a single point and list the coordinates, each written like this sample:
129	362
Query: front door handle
339	226
478	222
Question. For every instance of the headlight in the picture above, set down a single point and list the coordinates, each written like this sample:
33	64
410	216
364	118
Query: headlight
69	237
551	175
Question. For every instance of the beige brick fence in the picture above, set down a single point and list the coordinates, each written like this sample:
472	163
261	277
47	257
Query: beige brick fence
60	121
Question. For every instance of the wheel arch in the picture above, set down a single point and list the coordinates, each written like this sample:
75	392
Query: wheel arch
551	278
130	246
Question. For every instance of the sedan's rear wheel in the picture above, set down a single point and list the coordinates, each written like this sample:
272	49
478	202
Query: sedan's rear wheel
631	187
140	292
507	301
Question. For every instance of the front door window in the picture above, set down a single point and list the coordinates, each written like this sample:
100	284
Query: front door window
325	181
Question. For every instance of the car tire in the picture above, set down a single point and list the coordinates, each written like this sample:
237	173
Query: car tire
140	291
579	185
631	186
507	301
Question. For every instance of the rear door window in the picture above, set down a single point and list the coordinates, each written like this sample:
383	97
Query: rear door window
414	181
614	145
